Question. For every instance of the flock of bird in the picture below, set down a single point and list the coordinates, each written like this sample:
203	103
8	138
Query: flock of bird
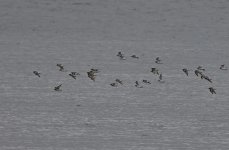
199	71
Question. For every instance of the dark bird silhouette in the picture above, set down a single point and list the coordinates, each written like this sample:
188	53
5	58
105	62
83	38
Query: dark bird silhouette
61	67
134	56
185	71
37	73
206	78
197	72
212	90
114	84
95	70
137	85
200	68
158	61
74	74
121	56
222	67
119	81
146	81
57	88
155	71
91	75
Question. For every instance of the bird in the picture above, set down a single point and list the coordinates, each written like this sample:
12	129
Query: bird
37	73
197	72
185	71
134	56
119	81
61	67
91	75
146	81
114	84
57	88
121	56
155	71
222	67
95	70
200	68
137	85
158	61
212	90
73	74
206	78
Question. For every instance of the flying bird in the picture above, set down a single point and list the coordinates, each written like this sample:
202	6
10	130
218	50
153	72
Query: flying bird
212	90
114	84
119	81
134	56
61	67
37	73
206	78
146	81
185	71
222	67
91	75
73	74
121	56
158	61
155	71
137	85
57	88
200	68
197	72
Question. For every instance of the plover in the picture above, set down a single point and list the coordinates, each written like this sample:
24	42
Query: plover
95	70
114	84
200	68
119	81
155	71
137	85
185	71
212	90
206	78
158	61
146	81
134	56
121	56
61	67
74	74
91	75
57	88
197	72
222	67
37	73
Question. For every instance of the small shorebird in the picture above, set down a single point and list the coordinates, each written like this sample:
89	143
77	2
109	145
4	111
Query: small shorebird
91	75
121	56
146	81
37	73
114	84
212	90
137	85
57	88
73	74
197	72
155	71
200	68
185	71
61	67
222	67
158	61
119	81
95	70
134	56
206	78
